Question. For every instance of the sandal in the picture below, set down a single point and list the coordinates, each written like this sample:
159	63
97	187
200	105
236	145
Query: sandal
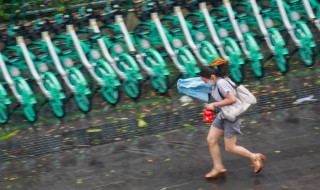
213	174
257	162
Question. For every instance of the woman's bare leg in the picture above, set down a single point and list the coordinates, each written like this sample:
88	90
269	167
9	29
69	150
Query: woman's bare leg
256	158
230	146
212	139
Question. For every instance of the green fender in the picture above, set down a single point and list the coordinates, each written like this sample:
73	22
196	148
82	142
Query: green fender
278	40
56	84
75	71
159	59
275	34
189	63
213	54
190	58
252	45
107	67
111	74
25	90
157	56
234	54
233	44
132	63
130	60
3	94
302	26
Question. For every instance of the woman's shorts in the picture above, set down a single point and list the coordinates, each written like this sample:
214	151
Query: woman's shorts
230	128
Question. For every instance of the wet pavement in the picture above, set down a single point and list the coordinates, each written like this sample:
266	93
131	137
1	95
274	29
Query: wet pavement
158	142
178	159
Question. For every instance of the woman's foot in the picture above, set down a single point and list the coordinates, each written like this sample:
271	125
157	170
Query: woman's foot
214	173
257	162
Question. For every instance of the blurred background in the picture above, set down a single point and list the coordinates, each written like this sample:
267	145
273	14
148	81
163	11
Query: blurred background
149	136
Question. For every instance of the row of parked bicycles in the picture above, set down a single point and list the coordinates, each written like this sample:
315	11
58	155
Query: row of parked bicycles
95	46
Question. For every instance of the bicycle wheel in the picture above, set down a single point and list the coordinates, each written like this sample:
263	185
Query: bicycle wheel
307	55
111	94
133	89
57	107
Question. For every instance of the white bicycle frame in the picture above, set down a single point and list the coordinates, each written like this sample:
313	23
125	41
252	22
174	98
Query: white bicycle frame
166	43
287	23
9	80
236	27
186	32
261	24
46	38
83	58
212	30
31	66
124	30
94	26
311	14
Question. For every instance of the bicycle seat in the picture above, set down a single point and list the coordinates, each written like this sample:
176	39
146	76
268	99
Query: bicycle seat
241	15
66	51
161	49
116	36
41	55
266	11
13	59
198	25
133	53
94	36
291	2
175	29
143	32
222	18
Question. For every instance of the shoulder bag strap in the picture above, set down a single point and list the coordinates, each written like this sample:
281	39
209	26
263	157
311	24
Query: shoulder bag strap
220	93
228	80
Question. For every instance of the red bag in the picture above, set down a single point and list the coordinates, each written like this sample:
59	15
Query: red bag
208	116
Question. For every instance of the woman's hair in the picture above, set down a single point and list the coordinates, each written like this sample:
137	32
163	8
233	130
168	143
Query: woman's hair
218	67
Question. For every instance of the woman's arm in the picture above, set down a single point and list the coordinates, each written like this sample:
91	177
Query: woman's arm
229	99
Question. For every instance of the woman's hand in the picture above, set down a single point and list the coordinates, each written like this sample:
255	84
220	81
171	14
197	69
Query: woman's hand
230	99
211	106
